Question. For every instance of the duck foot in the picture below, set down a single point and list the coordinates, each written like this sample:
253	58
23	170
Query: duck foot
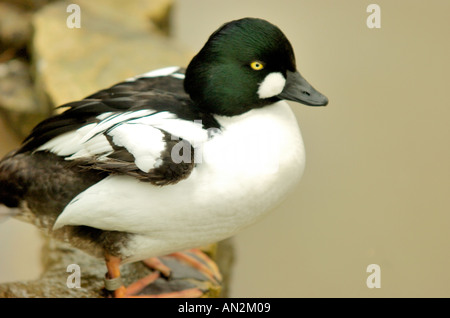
199	261
169	271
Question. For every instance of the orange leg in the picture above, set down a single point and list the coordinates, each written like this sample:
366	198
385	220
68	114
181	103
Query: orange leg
156	264
113	281
113	266
201	262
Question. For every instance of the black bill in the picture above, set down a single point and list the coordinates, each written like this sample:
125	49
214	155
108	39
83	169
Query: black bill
297	89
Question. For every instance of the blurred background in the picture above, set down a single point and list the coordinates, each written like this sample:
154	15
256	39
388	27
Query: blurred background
376	189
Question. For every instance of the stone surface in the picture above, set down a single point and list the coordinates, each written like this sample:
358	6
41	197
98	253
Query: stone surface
28	5
116	40
58	256
17	99
15	28
18	102
16	87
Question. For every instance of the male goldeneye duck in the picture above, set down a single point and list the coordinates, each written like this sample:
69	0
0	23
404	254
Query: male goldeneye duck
169	160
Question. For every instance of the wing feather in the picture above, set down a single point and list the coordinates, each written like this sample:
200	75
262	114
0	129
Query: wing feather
130	128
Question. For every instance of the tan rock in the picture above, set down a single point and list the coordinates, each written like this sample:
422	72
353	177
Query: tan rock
16	90
18	102
116	40
15	27
27	4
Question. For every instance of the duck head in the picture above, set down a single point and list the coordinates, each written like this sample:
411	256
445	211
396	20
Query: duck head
245	64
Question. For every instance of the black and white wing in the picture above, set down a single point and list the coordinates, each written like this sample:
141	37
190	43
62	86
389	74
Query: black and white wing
144	127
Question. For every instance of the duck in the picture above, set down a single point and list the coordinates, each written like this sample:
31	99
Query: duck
169	160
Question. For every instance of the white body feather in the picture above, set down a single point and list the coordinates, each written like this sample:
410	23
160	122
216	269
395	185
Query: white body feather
218	199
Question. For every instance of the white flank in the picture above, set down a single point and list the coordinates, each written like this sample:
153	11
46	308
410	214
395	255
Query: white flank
272	85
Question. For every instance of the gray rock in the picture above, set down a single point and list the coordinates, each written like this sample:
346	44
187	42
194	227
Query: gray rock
58	256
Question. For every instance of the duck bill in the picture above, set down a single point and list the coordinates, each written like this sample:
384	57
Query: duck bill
297	89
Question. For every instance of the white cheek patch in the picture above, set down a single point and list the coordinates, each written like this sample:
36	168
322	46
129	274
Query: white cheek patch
272	85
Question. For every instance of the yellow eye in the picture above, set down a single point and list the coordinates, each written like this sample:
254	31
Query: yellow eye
256	65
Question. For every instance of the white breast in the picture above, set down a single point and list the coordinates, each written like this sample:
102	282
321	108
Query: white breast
230	189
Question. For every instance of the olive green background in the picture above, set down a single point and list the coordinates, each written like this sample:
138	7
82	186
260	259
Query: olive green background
376	189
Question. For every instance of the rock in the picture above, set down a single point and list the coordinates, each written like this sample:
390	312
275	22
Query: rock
18	102
27	4
159	13
58	256
16	87
15	29
116	40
